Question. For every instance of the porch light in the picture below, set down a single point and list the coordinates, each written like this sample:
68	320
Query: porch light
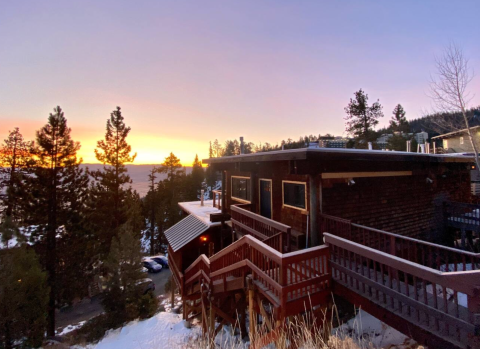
203	238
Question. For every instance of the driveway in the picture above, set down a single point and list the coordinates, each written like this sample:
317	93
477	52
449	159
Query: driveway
91	307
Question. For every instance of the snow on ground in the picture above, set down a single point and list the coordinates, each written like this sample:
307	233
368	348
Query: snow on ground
70	328
369	328
164	330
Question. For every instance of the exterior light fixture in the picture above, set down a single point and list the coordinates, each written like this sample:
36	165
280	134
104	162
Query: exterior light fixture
203	238
350	181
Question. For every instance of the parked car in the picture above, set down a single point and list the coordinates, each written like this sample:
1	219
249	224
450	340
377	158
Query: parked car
162	260
152	267
147	284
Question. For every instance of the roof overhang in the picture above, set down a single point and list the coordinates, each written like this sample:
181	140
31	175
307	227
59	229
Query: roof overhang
185	231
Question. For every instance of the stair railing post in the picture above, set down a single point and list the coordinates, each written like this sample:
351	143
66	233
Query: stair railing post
474	309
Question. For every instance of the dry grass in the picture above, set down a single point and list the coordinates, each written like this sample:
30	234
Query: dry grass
303	332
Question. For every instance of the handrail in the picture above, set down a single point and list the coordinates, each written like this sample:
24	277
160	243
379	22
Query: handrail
176	271
444	303
461	279
261	227
418	251
277	225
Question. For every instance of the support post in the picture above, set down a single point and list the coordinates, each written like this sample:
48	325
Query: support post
474	308
251	311
313	214
172	299
211	318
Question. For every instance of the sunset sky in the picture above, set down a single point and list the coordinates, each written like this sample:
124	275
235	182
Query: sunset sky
187	72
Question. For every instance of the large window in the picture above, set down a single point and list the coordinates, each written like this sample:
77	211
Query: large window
241	188
294	194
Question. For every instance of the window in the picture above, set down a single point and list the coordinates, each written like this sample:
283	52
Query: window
294	195
241	188
445	144
461	140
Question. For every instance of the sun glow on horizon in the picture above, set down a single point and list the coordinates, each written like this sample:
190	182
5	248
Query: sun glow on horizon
152	150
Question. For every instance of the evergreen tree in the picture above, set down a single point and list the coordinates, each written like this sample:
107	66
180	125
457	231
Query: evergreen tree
195	180
124	298
23	298
398	122
15	158
151	203
362	118
217	149
210	150
108	196
229	148
52	191
174	188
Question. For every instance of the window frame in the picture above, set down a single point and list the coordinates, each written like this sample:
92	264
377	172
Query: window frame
283	195
248	188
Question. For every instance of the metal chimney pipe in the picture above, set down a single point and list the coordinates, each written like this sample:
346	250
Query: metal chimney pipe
409	146
427	148
242	146
370	146
422	148
202	196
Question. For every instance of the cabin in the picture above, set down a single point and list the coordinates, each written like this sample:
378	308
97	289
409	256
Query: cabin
378	228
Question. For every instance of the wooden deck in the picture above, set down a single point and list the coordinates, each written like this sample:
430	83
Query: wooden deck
427	291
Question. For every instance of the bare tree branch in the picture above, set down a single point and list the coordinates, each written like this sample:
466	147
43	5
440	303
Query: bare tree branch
449	90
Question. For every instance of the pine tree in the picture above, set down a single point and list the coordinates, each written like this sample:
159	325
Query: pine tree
108	195
15	158
195	180
174	186
398	122
151	202
23	298
51	189
123	298
362	118
210	150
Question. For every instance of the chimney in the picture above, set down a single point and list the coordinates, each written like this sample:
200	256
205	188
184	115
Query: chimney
409	146
422	148
242	146
370	146
427	148
202	192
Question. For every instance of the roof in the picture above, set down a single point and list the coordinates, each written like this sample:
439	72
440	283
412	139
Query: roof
201	212
184	231
454	133
337	154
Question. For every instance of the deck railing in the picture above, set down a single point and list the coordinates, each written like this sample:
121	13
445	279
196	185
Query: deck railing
438	257
217	199
177	274
273	233
462	215
287	280
445	303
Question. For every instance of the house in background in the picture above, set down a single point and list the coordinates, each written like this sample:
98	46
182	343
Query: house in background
458	142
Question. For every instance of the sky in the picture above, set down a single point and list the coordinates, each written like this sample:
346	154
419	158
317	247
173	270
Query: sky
189	72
